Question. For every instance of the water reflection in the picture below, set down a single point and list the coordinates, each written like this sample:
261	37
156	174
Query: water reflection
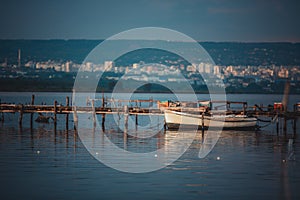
249	162
229	138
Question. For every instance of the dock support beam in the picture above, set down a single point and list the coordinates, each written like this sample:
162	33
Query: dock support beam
55	110
67	115
277	125
103	122
55	115
202	128
94	112
125	126
136	121
21	115
126	118
75	117
31	115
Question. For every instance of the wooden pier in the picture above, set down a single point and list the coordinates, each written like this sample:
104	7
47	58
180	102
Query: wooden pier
134	107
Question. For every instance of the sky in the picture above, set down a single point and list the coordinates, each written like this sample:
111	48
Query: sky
203	20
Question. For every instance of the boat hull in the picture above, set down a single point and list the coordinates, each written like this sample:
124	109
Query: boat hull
175	120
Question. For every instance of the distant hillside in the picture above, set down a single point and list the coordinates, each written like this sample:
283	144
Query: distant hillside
223	53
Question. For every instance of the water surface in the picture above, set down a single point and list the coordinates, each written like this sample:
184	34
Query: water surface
39	162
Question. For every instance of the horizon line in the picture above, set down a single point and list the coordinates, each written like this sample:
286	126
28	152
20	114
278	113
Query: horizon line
92	39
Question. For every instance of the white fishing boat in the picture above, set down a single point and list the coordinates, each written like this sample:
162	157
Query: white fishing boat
175	120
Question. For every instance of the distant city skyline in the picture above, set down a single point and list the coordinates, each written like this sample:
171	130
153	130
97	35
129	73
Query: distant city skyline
213	20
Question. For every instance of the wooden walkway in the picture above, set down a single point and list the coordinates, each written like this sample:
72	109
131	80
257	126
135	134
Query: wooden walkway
133	107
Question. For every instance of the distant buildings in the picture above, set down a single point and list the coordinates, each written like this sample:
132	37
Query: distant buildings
171	71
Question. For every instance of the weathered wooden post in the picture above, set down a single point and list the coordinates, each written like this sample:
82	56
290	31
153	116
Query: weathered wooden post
103	114
126	117
67	115
31	115
21	114
103	101
55	111
32	99
94	112
277	124
285	101
202	121
103	122
75	117
125	126
136	119
55	115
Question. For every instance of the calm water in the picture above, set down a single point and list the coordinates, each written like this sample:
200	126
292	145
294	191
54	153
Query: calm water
37	162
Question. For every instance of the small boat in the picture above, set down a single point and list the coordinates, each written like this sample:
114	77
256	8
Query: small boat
176	119
43	119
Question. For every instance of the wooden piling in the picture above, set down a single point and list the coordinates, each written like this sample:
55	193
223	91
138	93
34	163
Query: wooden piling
32	99
282	116
94	112
126	117
55	111
75	117
277	125
55	116
202	128
136	119
103	114
31	115
21	115
103	122
67	115
103	101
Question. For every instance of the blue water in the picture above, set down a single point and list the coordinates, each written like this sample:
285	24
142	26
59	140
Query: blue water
39	162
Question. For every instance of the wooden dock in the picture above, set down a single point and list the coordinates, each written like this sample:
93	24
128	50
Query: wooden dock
134	107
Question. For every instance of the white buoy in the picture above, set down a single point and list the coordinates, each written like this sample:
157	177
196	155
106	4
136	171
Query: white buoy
38	152
155	155
218	158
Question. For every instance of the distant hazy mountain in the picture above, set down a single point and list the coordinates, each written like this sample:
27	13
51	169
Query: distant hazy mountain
223	53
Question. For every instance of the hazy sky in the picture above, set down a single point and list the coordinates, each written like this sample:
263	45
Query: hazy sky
203	20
